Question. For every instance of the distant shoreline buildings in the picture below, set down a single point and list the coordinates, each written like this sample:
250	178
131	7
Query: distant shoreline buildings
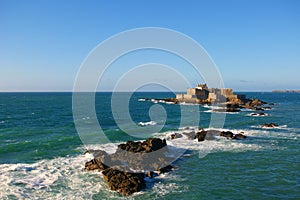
202	94
287	91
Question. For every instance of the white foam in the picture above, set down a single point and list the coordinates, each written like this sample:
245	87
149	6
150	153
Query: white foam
214	107
109	147
169	102
223	112
59	178
246	110
209	146
150	123
187	104
141	99
165	185
258	115
64	177
275	127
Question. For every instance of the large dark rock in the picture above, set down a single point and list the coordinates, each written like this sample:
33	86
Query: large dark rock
150	145
227	134
200	136
148	155
126	183
254	104
233	107
166	169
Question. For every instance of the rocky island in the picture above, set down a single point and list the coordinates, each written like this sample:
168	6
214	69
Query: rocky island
224	97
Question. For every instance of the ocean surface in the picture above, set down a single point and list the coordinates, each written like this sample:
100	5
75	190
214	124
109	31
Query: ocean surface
41	154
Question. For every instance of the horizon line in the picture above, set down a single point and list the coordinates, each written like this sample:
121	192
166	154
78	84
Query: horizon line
70	91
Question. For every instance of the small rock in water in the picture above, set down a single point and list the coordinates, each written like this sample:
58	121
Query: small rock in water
166	169
270	125
175	136
239	136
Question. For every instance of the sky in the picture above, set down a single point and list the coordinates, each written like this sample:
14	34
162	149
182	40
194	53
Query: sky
254	44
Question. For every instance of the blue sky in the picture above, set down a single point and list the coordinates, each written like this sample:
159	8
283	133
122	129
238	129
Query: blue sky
255	44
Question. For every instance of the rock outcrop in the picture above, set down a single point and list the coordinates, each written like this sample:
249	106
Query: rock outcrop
270	125
211	135
125	183
146	157
125	170
239	136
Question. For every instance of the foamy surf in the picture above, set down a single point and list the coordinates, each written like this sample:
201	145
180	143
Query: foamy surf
258	114
59	178
150	123
65	178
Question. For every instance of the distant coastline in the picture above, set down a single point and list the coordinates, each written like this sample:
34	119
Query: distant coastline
287	91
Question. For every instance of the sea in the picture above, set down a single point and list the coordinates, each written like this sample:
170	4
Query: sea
42	154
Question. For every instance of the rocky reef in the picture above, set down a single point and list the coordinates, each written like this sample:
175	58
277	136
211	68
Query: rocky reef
210	134
125	170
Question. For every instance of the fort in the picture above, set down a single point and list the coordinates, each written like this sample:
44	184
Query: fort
202	94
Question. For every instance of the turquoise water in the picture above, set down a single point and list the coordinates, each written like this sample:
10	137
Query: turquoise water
41	152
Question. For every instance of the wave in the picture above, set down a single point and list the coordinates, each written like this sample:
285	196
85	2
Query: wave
258	114
246	110
214	107
275	127
215	111
65	178
209	146
150	123
188	104
59	178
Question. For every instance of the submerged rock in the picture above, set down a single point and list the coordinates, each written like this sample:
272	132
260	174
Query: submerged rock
258	114
175	136
190	135
239	136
